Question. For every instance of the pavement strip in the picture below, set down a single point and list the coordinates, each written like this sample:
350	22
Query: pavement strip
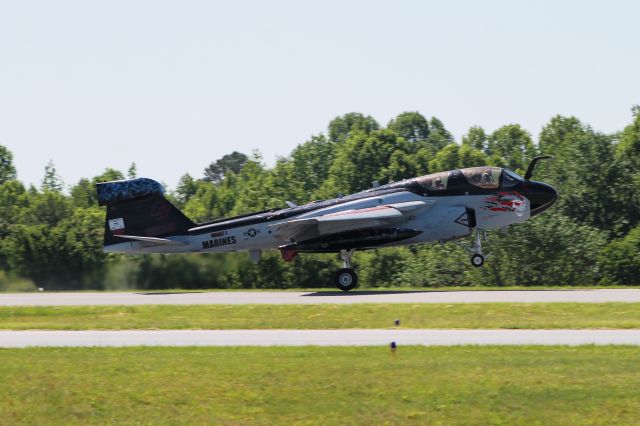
370	337
318	297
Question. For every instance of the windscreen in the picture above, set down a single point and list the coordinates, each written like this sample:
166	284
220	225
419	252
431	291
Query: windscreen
510	178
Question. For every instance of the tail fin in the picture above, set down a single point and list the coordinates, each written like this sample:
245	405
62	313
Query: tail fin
137	207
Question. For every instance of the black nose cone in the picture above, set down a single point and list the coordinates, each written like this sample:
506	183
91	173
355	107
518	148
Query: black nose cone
540	195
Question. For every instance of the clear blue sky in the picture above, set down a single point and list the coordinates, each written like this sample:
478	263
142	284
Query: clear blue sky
175	85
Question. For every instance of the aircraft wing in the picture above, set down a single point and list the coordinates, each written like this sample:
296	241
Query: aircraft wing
347	220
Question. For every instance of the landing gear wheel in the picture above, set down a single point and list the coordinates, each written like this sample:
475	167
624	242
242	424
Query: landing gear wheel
477	260
346	279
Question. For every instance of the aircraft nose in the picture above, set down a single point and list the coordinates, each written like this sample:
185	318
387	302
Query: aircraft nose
541	196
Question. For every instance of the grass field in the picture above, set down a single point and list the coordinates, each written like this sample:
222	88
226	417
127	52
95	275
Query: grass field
439	385
458	315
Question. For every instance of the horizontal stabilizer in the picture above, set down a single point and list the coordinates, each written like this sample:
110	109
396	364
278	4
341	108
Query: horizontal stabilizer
154	240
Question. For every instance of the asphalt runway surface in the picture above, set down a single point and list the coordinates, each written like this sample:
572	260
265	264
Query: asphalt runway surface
21	339
317	297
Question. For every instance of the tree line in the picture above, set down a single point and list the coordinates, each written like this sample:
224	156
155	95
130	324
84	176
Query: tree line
52	238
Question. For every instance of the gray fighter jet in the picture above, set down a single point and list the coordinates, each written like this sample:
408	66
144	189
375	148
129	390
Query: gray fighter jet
438	207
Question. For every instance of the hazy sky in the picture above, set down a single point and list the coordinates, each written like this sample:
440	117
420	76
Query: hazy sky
176	85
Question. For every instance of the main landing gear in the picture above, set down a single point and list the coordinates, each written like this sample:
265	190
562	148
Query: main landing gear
477	258
346	278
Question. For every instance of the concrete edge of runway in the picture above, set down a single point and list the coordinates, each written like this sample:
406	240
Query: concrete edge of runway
370	337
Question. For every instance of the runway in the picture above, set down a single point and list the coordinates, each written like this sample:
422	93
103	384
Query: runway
22	339
318	297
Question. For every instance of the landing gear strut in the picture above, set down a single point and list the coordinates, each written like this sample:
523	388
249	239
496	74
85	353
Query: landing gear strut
346	278
477	258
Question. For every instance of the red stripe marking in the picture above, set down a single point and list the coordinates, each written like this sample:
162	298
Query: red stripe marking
356	211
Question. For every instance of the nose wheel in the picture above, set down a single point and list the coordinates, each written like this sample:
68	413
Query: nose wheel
477	260
346	278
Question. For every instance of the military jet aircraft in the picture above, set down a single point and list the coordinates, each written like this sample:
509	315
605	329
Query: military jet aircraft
438	207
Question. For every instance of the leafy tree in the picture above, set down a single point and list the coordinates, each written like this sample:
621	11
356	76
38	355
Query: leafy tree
627	168
14	201
439	136
280	185
434	265
213	201
251	180
620	260
299	177
476	138
202	205
310	164
48	208
410	125
51	181
402	165
472	157
583	171
513	145
132	172
361	159
229	163
551	249
108	175
454	156
186	189
446	159
341	128
65	255
421	159
7	170
83	194
382	268
629	145
312	270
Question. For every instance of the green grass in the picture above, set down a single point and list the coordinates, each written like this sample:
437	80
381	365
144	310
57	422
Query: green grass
313	385
457	315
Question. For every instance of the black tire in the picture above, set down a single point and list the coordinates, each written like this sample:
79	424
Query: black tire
477	260
346	279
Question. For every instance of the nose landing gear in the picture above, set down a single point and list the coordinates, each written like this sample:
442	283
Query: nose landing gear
346	278
477	257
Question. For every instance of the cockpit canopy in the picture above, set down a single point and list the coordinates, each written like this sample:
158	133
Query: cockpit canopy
483	177
435	181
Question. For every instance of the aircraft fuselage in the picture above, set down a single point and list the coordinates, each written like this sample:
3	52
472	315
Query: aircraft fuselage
434	208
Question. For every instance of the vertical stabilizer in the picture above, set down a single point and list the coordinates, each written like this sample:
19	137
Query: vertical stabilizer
138	207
